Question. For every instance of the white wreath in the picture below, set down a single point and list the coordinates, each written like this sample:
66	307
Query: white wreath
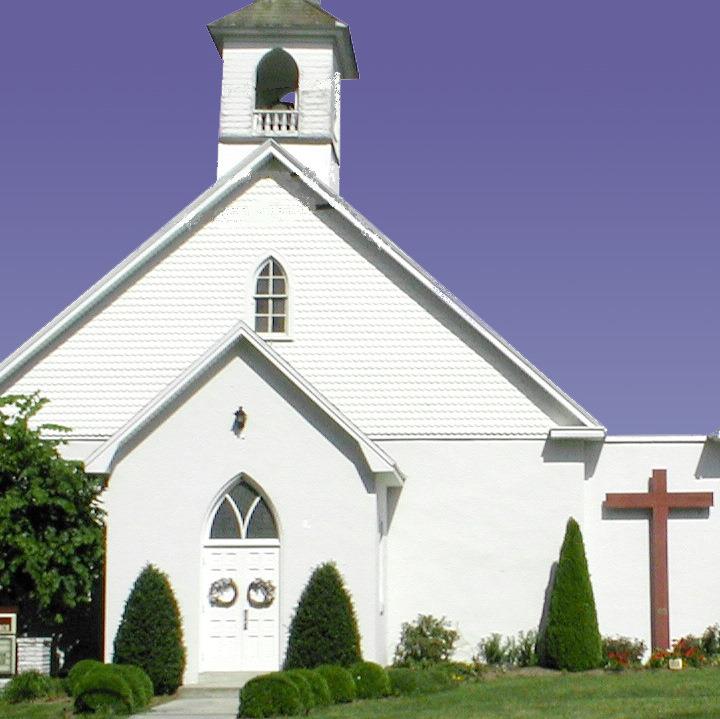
219	589
265	589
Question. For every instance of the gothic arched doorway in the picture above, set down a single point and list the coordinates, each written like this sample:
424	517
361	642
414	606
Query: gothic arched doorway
240	584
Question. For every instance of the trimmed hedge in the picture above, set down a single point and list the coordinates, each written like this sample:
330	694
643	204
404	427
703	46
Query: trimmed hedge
324	627
570	638
371	680
339	681
30	686
104	689
78	671
320	688
307	698
150	632
114	688
270	695
139	682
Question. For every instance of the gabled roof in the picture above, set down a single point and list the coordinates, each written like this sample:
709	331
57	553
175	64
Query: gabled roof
287	17
232	182
101	461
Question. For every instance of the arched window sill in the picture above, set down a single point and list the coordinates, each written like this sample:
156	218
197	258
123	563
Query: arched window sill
242	543
275	337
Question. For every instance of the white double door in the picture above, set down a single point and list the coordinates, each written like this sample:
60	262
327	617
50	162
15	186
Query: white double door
237	636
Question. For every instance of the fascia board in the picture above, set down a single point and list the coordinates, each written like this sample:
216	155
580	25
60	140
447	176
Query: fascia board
656	439
586	434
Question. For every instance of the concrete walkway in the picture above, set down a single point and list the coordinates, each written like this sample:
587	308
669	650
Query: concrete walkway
197	704
215	697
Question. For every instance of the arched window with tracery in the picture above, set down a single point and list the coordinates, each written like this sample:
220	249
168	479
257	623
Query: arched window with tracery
243	513
271	298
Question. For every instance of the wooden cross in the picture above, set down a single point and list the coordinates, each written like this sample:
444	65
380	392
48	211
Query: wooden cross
659	501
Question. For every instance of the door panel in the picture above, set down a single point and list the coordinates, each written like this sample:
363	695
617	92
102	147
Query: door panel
223	626
261	638
239	637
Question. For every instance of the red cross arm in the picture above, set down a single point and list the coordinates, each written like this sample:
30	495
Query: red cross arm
690	500
629	501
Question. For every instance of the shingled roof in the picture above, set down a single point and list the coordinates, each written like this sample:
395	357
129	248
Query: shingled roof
299	17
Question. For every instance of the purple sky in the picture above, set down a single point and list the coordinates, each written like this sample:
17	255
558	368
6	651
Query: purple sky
555	164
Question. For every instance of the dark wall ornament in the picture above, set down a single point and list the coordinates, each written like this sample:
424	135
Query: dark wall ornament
240	421
261	594
223	593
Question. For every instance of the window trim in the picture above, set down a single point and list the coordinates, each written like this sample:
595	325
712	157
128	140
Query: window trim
269	335
243	523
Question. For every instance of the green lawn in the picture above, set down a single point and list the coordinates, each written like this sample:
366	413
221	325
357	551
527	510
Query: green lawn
629	695
690	694
58	709
53	709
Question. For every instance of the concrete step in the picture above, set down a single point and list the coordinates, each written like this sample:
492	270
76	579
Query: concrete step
221	680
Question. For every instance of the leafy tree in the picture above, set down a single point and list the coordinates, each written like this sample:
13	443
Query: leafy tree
324	629
150	633
570	638
51	525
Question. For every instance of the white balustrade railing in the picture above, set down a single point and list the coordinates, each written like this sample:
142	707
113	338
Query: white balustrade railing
276	122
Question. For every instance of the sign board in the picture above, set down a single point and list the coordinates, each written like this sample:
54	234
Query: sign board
7	654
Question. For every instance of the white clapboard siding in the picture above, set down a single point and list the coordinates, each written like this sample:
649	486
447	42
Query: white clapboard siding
374	351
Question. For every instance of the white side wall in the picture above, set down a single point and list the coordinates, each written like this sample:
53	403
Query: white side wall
474	534
161	493
478	525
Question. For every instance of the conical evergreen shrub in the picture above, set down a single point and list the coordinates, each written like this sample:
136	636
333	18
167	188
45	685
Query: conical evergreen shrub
324	629
570	638
150	632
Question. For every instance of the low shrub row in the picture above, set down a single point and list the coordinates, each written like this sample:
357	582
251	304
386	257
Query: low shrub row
109	688
298	691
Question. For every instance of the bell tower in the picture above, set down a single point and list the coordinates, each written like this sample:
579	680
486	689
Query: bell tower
283	62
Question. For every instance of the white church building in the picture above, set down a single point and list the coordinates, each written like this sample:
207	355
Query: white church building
269	383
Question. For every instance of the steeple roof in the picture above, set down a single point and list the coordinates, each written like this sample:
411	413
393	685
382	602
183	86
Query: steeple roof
298	18
277	14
